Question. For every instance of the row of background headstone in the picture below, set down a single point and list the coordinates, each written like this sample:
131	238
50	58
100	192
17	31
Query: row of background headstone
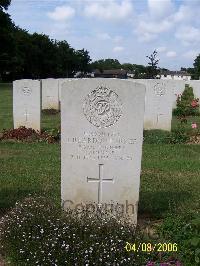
29	96
51	89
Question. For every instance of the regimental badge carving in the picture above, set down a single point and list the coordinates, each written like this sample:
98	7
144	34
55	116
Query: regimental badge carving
26	91
102	107
160	89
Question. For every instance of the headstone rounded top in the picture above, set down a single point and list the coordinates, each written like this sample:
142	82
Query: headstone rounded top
102	107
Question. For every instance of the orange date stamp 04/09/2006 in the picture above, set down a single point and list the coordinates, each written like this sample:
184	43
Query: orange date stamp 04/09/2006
150	247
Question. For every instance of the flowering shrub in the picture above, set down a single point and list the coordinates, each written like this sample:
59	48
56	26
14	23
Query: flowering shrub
186	103
195	103
36	232
27	134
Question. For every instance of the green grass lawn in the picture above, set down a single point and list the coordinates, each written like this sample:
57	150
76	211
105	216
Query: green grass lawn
6	117
170	177
28	168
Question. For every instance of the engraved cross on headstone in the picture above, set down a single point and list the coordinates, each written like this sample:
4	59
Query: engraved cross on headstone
100	182
27	115
158	116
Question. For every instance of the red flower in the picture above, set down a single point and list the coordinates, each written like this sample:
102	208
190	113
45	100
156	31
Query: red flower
194	125
194	103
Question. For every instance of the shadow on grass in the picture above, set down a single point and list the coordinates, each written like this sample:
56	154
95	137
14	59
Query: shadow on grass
151	204
8	197
156	204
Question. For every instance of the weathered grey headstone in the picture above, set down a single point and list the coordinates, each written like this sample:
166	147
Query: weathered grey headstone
50	94
158	103
27	103
101	146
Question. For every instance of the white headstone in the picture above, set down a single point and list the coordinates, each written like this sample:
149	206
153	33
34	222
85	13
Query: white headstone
27	103
178	88
60	83
195	84
102	134
158	103
50	94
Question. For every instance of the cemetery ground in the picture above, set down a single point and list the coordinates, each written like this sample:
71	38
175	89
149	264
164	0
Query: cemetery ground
169	194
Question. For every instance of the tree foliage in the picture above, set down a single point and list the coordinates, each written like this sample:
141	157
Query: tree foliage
196	72
25	55
4	4
7	45
105	64
152	69
139	71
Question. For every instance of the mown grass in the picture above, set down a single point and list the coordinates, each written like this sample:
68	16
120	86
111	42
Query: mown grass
170	179
170	176
28	169
6	111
